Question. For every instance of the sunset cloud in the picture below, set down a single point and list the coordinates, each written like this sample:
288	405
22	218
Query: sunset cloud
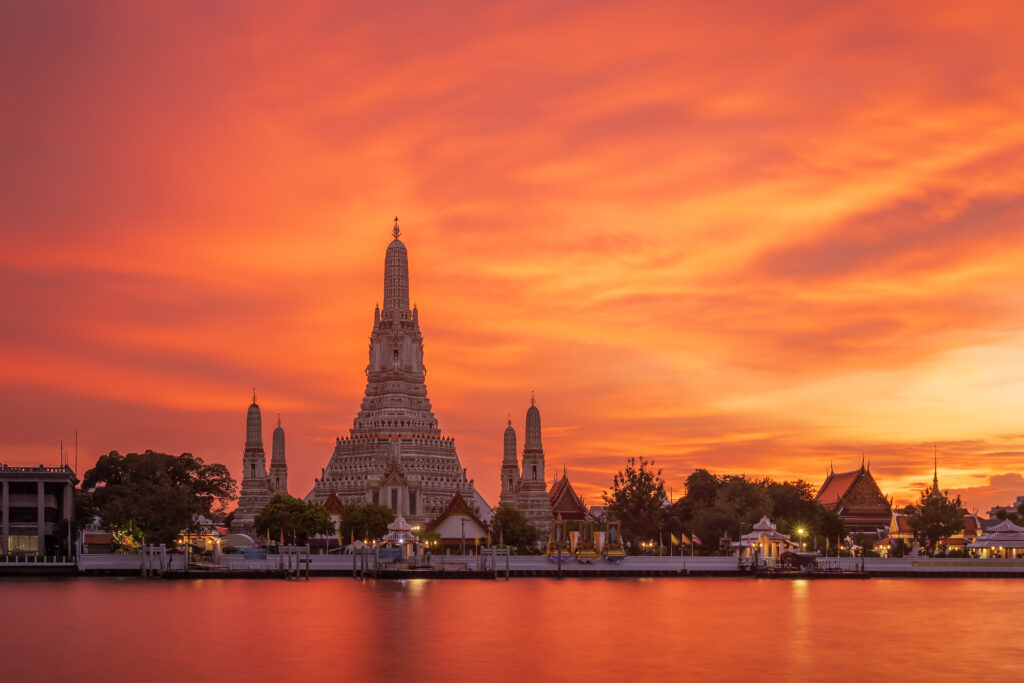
754	238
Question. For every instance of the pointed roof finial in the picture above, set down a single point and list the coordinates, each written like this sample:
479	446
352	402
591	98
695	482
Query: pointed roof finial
279	419
396	233
935	480
254	394
533	399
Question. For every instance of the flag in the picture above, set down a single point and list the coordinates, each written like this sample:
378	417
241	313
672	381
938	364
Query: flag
476	540
488	539
660	544
674	540
696	541
352	536
282	536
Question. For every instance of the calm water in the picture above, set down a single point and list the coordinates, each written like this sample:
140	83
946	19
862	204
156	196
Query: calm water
527	629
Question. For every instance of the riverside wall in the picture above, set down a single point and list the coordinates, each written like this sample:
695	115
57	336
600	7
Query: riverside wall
471	566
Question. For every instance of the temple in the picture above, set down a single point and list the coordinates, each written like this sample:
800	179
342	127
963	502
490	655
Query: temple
565	503
257	487
527	490
856	498
395	454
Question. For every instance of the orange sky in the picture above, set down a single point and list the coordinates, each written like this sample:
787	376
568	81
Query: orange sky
751	237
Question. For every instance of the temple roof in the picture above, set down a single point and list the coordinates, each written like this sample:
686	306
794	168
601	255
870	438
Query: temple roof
854	494
564	500
836	486
456	506
333	505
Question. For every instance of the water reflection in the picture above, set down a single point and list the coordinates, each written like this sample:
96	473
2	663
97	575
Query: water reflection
593	629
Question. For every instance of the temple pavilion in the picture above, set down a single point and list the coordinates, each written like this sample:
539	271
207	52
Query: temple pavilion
565	503
764	541
1005	540
459	522
857	499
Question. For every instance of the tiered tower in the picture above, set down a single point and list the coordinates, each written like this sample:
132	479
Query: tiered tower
533	494
255	487
395	454
509	468
278	464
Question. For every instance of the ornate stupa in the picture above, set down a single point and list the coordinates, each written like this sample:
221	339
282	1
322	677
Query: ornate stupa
395	455
532	498
256	490
509	468
278	464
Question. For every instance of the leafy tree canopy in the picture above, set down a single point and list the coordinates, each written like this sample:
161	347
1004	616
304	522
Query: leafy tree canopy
637	501
293	520
156	496
365	522
937	516
715	507
510	526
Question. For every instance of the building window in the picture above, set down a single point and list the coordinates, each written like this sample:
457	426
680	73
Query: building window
376	497
535	473
23	543
252	470
510	484
412	502
394	501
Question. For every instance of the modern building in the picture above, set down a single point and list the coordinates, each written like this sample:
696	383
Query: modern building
993	513
395	454
257	487
33	503
857	499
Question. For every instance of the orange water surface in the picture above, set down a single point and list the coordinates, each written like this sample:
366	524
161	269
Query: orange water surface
523	630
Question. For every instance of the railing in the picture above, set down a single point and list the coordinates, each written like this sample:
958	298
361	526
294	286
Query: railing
37	559
40	468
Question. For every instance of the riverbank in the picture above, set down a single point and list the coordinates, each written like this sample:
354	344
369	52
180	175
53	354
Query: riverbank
474	567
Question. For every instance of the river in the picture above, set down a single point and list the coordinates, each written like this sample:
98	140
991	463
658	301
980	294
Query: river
327	629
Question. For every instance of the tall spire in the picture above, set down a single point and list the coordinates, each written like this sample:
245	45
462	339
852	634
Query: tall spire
396	278
254	425
935	478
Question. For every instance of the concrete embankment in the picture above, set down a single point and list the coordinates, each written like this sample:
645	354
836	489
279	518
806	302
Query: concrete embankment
471	567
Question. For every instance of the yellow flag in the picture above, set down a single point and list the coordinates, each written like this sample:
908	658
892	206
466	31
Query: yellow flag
488	539
675	539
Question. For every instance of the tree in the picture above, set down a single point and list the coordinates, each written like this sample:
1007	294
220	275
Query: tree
155	496
366	522
637	501
701	490
936	517
510	526
293	519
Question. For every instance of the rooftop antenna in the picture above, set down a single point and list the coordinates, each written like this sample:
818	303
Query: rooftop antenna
61	453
